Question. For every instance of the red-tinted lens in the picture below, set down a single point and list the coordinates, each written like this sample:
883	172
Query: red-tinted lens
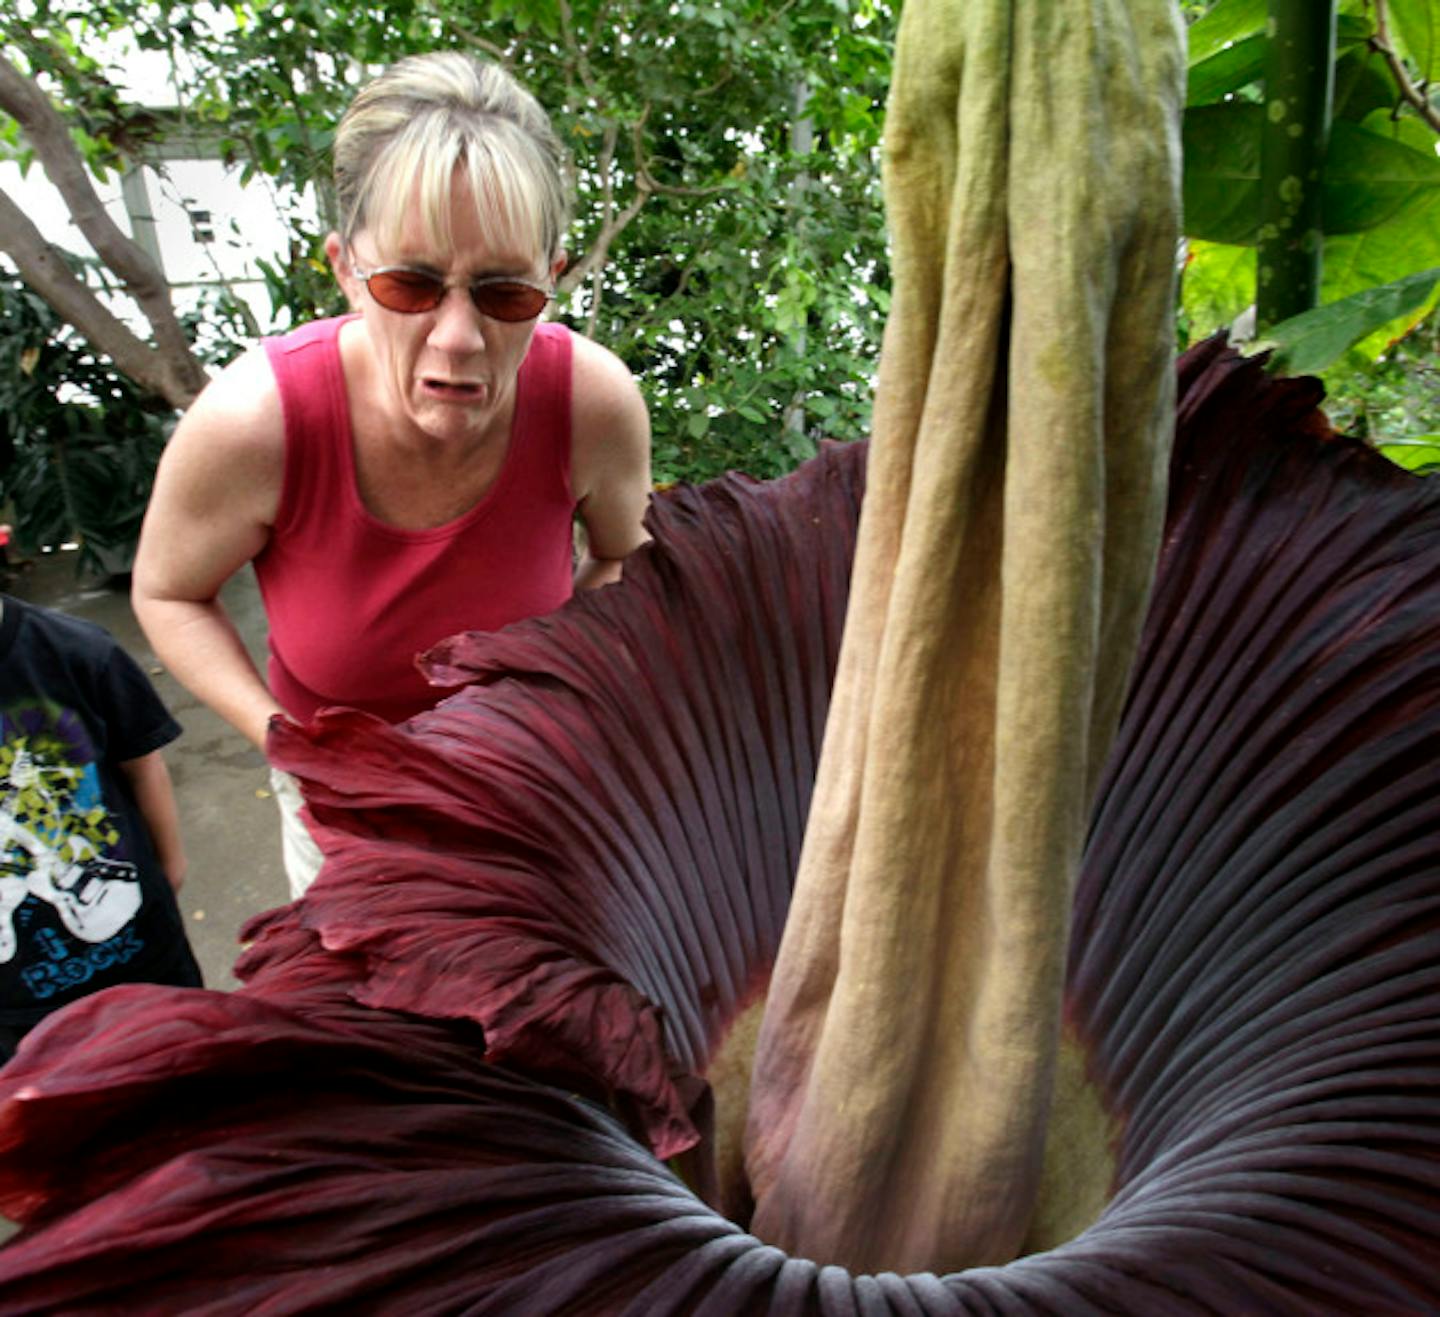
511	302
406	290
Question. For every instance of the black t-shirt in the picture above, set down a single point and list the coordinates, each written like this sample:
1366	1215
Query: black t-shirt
83	902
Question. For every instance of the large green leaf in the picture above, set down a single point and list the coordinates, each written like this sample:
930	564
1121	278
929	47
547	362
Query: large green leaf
1416	23
1222	172
1225	72
1314	339
1406	245
1219	278
1217	285
1369	176
1362	85
1416	452
1406	129
1239	63
1228	22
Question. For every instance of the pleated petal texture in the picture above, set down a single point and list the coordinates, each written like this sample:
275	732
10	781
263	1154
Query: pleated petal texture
610	816
1255	950
582	861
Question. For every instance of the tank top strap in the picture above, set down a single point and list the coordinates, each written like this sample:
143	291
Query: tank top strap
542	425
313	401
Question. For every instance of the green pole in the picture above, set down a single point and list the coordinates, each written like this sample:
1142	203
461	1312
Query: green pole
1299	87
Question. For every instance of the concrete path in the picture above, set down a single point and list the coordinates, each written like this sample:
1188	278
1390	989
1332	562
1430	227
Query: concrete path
230	824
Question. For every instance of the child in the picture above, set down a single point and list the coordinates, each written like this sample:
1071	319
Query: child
90	853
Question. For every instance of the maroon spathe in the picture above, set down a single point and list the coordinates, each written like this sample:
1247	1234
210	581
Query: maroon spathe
553	893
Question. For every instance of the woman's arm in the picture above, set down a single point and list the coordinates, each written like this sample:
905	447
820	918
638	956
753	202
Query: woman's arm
610	461
215	498
149	780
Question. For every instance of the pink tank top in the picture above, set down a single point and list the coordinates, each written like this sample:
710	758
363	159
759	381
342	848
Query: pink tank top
351	600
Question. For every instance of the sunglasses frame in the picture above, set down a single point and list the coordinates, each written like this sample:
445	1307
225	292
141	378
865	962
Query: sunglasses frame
471	286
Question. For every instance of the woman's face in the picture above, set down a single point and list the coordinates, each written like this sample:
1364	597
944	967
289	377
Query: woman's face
446	374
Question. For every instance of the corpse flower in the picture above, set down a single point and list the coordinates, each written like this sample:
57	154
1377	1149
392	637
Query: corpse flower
531	969
596	893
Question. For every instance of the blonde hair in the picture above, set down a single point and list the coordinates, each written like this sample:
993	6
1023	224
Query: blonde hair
427	116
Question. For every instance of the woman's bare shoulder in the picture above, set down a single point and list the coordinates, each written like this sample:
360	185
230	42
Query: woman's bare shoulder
230	444
604	392
236	420
592	362
609	449
243	397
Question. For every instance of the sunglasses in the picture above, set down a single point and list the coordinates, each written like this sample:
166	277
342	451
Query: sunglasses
409	291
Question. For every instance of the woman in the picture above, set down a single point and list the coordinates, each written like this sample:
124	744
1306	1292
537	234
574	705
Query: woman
412	469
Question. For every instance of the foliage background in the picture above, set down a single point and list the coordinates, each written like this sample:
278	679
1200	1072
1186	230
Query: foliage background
729	241
1381	203
78	440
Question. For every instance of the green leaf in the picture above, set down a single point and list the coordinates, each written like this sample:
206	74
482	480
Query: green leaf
1227	22
799	445
1408	244
1353	30
1416	135
1240	60
1217	285
1369	176
1312	340
1417	452
1222	172
1416	26
1362	86
1225	72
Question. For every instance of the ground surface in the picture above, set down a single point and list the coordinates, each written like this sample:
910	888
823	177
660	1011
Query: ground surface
230	824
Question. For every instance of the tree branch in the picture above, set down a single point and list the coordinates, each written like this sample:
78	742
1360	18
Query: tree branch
597	294
497	53
50	137
1382	45
612	224
579	56
43	269
653	184
598	24
599	250
644	178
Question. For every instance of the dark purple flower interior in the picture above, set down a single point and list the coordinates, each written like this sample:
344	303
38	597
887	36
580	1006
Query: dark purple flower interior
446	1082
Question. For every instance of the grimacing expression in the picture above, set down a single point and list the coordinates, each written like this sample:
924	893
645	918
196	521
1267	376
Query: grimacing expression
448	366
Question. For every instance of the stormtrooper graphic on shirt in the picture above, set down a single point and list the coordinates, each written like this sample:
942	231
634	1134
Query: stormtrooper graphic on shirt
85	904
56	844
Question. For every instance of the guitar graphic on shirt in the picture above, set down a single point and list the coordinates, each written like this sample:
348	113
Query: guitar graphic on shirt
51	824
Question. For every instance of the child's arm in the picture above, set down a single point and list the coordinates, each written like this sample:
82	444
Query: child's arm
150	781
